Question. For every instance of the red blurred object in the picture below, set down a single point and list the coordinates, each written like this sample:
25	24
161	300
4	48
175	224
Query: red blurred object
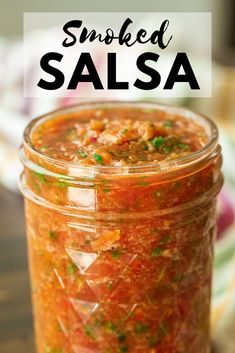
226	214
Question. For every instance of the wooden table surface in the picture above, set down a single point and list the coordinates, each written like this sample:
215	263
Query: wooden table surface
16	330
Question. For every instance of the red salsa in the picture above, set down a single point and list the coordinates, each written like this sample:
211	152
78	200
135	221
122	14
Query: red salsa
120	214
118	137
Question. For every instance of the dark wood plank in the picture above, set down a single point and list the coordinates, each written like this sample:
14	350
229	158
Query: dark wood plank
16	329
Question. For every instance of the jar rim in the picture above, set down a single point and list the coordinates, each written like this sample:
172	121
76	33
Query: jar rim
161	166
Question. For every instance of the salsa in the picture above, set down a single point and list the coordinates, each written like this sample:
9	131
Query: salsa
120	212
119	137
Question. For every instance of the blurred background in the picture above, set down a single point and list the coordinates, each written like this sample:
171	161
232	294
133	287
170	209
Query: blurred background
16	333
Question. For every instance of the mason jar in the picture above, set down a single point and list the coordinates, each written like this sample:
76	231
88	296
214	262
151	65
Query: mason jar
121	257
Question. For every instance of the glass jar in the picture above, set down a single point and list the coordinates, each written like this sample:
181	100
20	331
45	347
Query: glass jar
121	257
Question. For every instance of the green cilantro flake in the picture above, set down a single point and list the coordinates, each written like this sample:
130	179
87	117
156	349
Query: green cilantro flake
143	183
116	254
153	341
166	239
157	251
83	154
43	148
183	146
168	124
121	337
141	328
89	332
62	184
40	177
178	278
98	322
167	149
37	187
98	158
110	326
71	269
157	141
52	235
